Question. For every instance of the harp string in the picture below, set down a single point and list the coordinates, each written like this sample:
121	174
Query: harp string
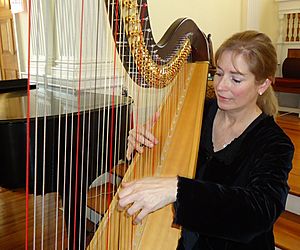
78	123
90	127
28	133
114	21
126	235
46	112
140	95
70	51
35	160
62	11
100	144
152	101
36	232
120	45
86	165
57	197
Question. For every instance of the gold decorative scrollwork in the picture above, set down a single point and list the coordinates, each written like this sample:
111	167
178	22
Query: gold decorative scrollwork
155	75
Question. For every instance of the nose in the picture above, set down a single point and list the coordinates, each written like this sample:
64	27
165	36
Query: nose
221	83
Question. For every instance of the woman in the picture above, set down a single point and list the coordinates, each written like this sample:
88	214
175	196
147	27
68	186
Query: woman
244	158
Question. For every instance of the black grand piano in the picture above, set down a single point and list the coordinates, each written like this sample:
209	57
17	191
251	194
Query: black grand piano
53	139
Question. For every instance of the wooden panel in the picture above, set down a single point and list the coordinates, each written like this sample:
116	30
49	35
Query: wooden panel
5	10
5	4
11	74
8	55
7	43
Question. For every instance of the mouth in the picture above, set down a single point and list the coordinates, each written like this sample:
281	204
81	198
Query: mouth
223	98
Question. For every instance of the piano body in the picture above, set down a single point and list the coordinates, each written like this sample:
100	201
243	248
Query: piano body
54	119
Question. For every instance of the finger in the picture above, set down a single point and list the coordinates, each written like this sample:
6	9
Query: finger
145	141
120	208
149	137
144	136
129	151
141	215
125	191
135	144
138	135
127	183
136	206
123	203
128	199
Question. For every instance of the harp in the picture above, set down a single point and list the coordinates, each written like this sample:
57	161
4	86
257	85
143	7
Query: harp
91	87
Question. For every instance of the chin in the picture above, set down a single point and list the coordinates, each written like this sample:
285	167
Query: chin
224	104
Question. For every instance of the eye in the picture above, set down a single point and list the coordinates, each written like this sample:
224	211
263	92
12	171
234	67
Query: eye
236	80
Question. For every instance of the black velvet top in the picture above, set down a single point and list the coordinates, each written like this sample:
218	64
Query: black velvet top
238	192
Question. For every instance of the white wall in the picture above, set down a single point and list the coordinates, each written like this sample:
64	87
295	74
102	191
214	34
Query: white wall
269	21
221	18
217	17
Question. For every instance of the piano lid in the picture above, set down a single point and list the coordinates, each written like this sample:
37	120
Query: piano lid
45	102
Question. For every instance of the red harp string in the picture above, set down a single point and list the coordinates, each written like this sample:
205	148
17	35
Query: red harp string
78	124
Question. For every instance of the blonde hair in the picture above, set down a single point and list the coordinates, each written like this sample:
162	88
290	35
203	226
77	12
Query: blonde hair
260	55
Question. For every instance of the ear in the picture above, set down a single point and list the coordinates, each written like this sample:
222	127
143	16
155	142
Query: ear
263	87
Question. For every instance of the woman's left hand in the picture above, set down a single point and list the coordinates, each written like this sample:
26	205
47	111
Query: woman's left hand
147	195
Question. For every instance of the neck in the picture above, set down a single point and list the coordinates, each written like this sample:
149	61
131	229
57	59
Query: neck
235	117
229	125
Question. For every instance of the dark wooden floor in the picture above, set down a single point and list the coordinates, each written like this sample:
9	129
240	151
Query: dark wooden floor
291	125
287	227
12	221
12	205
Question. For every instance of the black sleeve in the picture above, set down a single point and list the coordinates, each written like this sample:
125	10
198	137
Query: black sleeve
238	213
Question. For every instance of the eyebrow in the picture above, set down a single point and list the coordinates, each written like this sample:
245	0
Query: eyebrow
237	73
233	72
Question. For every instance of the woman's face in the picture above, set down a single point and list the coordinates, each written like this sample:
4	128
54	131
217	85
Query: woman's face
235	87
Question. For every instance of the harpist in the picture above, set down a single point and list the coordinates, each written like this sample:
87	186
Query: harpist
244	159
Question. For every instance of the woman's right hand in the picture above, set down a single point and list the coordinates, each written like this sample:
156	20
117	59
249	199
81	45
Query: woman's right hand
141	136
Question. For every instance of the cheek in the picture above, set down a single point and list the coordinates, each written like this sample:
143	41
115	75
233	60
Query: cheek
243	94
239	92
